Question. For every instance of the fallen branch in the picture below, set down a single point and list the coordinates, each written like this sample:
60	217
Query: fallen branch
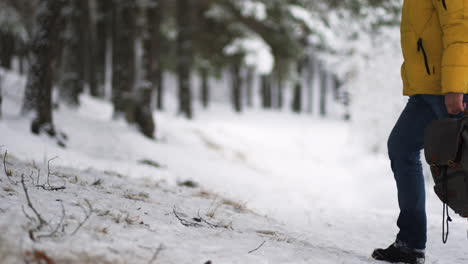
87	216
185	222
201	219
257	247
155	255
40	219
59	225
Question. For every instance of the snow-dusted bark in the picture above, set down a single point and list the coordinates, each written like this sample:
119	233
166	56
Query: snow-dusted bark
38	95
184	55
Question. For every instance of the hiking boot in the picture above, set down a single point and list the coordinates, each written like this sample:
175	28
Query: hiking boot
399	252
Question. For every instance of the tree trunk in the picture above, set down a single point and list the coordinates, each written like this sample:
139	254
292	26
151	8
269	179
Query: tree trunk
1	96
280	90
22	52
153	46
123	58
144	114
266	91
145	86
103	38
89	52
7	49
249	83
297	97
43	52
236	95
323	92
311	68
205	87
184	55
71	82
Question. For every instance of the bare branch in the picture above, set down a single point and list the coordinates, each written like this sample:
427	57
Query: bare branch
38	176
30	177
205	221
47	186
257	247
155	256
59	225
41	220
30	218
185	222
87	216
48	169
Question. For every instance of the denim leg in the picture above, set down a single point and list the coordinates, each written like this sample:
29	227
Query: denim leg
404	147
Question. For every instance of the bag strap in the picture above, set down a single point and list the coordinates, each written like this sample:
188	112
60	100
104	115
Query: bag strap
446	219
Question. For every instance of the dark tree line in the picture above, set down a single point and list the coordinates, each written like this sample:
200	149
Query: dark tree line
79	46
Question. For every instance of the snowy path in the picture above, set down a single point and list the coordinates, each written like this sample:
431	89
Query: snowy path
336	199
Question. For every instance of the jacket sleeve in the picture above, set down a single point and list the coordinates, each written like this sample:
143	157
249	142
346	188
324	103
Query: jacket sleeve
453	15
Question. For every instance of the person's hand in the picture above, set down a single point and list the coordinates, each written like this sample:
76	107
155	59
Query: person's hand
454	103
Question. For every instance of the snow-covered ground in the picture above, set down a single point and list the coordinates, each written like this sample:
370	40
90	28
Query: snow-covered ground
303	185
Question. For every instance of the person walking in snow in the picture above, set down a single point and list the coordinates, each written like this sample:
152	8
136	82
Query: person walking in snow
434	39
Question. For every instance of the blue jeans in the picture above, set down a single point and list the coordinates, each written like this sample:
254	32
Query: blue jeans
404	147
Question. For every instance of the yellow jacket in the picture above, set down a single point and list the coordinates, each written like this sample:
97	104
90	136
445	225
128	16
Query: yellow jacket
434	40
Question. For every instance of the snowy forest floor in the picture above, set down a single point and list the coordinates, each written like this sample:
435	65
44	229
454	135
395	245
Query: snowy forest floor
299	187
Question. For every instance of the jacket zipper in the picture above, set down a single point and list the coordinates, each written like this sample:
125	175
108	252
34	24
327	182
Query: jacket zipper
444	4
421	48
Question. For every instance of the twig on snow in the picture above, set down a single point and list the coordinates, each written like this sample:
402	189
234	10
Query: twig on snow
8	172
41	220
257	247
48	169
201	219
59	225
185	222
87	216
47	186
156	253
